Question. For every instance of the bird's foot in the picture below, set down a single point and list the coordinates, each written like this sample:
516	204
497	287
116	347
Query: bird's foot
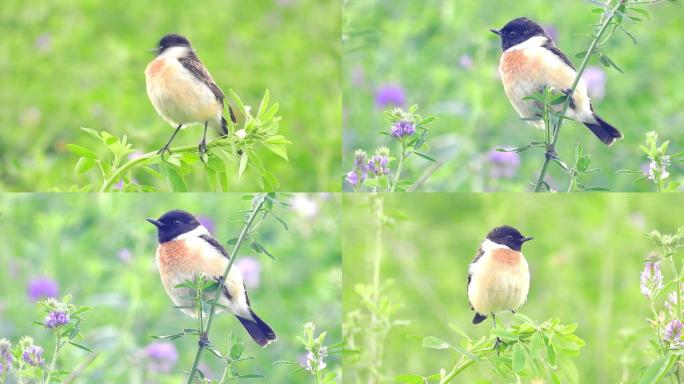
203	150
497	345
551	154
204	340
163	150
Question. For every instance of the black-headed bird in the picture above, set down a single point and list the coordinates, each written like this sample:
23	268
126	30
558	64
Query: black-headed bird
530	62
186	251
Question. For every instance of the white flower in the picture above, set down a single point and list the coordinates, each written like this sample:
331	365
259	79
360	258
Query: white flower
241	134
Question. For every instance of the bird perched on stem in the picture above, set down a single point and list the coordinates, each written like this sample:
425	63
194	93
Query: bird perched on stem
530	62
498	277
186	250
183	92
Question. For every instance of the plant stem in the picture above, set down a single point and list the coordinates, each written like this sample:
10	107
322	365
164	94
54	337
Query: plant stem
255	210
399	167
81	367
571	93
458	368
376	355
118	172
53	361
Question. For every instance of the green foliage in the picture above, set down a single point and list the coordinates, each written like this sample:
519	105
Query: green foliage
530	350
658	163
227	157
72	65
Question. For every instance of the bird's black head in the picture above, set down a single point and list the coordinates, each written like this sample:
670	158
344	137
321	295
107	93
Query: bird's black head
508	236
517	31
172	40
174	223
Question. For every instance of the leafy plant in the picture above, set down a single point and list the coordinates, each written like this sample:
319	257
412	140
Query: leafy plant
665	299
316	353
122	167
538	351
658	163
375	173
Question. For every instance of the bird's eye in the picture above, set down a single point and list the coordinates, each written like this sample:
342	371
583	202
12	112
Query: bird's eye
512	34
177	222
509	236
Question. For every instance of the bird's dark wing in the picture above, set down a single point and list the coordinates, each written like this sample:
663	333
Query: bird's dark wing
551	47
477	257
193	64
216	244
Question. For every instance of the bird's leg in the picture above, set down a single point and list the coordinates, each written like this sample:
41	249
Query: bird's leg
165	148
204	340
203	143
498	341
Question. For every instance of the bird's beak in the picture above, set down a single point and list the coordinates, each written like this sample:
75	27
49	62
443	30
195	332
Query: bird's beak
524	239
155	222
152	50
496	32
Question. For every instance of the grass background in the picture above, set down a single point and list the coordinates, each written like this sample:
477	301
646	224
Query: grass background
446	59
585	263
71	64
75	240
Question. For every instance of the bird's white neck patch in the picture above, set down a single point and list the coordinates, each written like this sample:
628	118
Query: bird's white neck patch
532	42
197	232
176	52
488	245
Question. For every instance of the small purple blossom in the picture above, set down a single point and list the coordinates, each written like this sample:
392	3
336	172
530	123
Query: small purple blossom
378	165
251	271
390	94
312	363
595	79
402	129
466	62
5	356
651	279
161	356
352	178
672	334
503	164
125	255
42	287
33	355
358	174
56	319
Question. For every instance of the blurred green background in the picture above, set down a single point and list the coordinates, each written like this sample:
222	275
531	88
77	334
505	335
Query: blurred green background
101	250
71	64
442	56
585	263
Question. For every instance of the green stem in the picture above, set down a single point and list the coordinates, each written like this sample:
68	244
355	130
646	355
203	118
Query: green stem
458	368
571	93
255	210
53	361
399	168
377	262
118	172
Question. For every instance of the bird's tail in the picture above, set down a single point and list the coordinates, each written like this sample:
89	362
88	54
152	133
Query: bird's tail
478	318
604	131
258	330
224	123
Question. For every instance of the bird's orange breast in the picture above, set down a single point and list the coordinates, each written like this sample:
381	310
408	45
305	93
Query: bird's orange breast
507	257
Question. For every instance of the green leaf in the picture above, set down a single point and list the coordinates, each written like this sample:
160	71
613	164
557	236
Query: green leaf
83	347
424	156
243	164
258	248
518	358
656	371
434	343
238	102
175	179
85	164
278	149
264	104
82	151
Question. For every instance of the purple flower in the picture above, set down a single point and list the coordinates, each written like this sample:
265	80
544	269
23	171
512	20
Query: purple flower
377	165
207	222
33	355
672	333
125	255
311	362
651	279
595	79
42	287
352	178
503	164
402	128
465	61
358	174
5	356
56	319
390	94
251	271
161	356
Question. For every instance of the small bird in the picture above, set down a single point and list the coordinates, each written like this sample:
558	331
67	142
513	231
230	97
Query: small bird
183	92
530	62
186	250
498	277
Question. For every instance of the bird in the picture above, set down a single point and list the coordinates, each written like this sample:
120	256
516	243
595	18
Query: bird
182	90
530	62
498	276
186	251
